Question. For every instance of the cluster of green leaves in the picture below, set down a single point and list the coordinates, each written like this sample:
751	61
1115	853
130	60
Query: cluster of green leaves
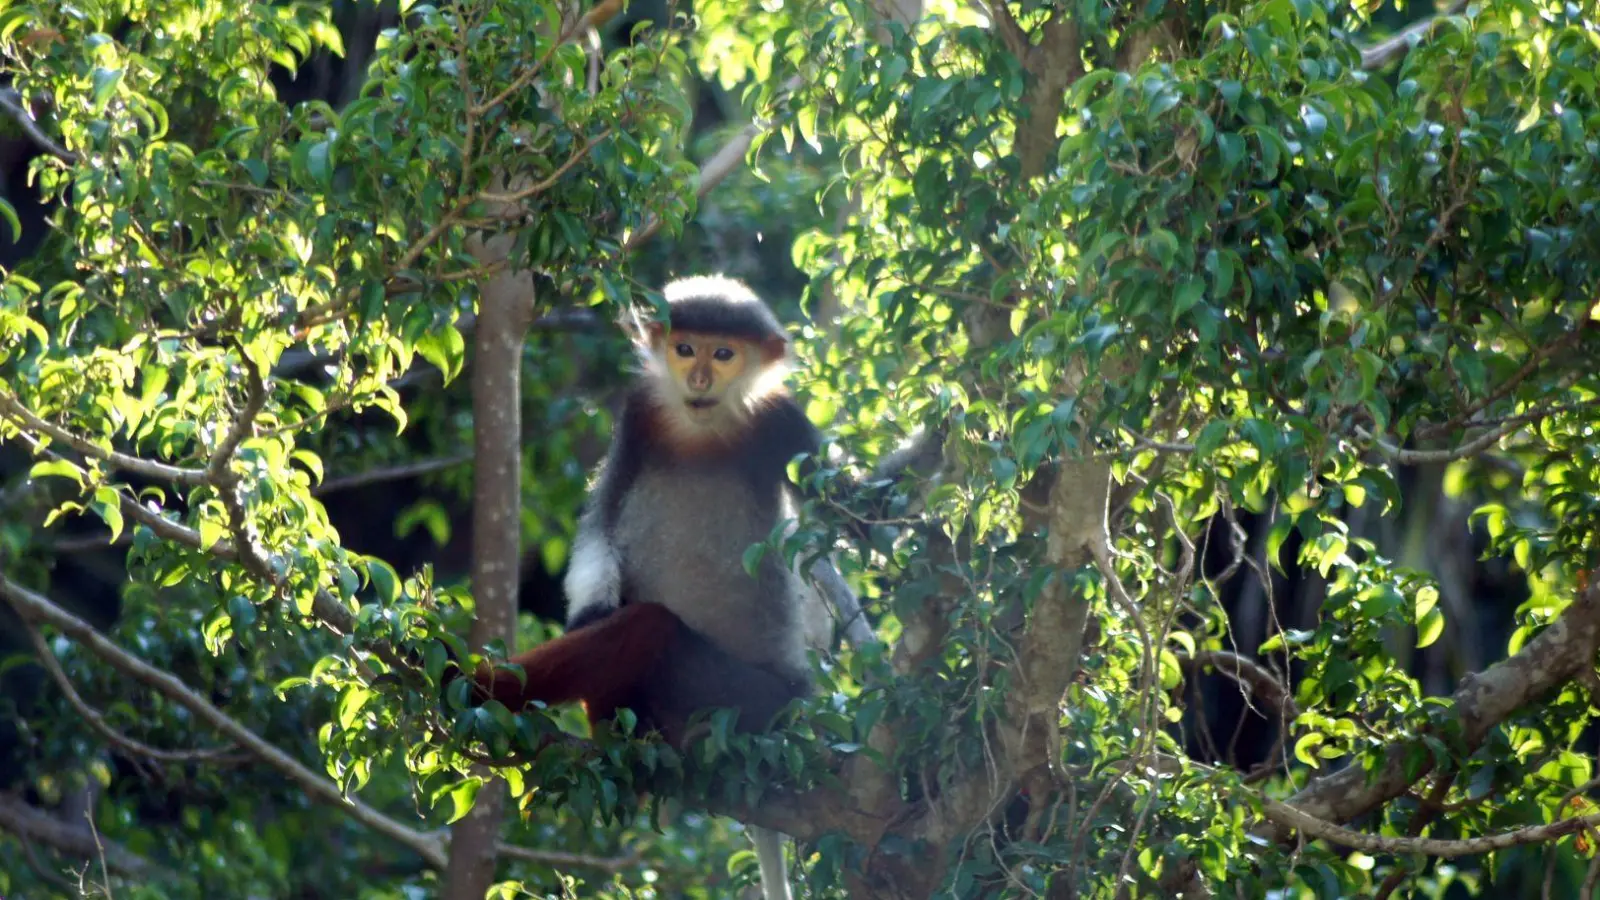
1262	253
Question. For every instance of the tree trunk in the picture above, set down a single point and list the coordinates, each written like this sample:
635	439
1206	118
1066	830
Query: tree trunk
504	315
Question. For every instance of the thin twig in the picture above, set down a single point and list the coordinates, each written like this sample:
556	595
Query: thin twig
1392	48
391	473
100	851
10	406
540	187
11	102
97	721
36	608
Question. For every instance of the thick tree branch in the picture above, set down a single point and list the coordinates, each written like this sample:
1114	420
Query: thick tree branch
844	602
1485	699
11	102
1053	65
33	824
505	313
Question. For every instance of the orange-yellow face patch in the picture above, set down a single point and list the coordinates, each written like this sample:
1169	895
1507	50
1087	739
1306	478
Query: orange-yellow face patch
705	365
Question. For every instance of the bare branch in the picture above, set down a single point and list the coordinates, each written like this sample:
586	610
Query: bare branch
391	473
1450	454
564	860
844	602
1290	817
37	609
97	721
1251	674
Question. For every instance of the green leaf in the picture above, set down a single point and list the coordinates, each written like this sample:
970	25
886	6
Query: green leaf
57	468
1305	748
445	349
462	798
1211	437
752	558
1279	533
1190	291
384	581
105	82
108	503
1163	245
351	702
212	531
1429	627
9	213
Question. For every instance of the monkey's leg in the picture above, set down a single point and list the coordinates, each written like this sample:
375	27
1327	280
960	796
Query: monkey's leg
698	675
601	664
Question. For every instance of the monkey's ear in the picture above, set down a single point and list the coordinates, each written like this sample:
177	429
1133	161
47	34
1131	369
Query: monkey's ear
774	348
651	335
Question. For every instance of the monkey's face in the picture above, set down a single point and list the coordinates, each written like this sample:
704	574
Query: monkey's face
708	370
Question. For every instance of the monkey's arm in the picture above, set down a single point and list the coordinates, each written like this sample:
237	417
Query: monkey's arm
790	433
594	575
593	584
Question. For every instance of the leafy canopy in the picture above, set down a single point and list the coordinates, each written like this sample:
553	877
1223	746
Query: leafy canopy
1160	273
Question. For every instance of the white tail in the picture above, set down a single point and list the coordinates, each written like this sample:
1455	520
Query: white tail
769	854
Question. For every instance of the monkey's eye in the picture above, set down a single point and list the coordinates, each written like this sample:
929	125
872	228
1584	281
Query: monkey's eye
684	350
723	354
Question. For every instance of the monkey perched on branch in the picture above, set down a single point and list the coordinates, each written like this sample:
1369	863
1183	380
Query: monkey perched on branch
662	617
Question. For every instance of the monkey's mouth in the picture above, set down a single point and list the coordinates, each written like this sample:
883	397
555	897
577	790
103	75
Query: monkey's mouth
701	403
